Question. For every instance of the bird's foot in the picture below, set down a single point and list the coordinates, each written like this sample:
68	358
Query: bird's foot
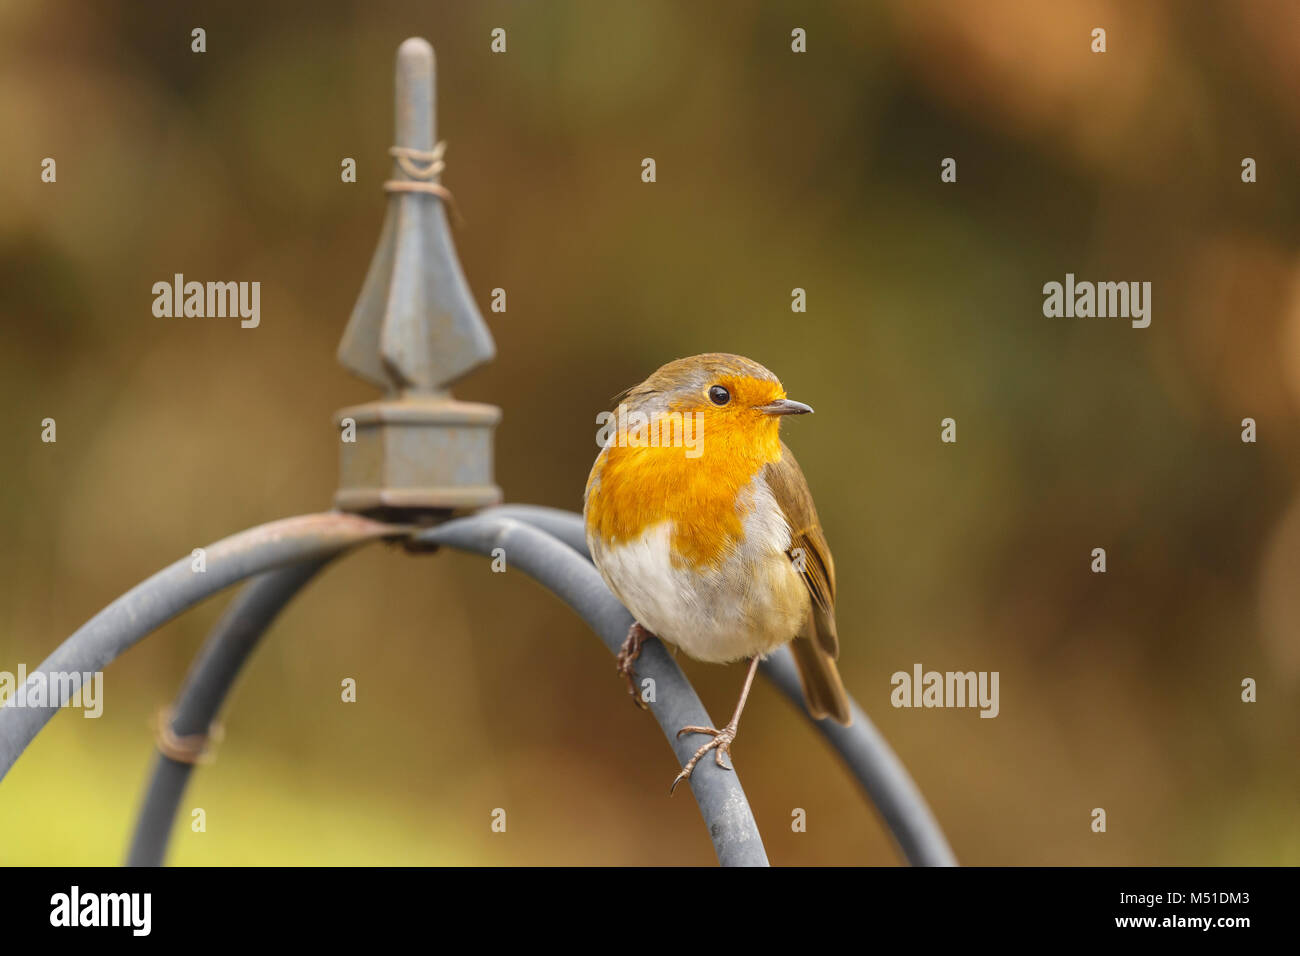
720	744
627	655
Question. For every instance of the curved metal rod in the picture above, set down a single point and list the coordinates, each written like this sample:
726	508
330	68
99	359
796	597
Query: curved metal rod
562	525
210	679
160	598
567	526
571	577
867	754
878	769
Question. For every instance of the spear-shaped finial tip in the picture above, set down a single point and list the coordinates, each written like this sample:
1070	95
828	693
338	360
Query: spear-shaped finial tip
414	331
416	326
415	49
416	101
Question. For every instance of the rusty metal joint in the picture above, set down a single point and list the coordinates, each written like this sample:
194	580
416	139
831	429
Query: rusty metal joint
186	748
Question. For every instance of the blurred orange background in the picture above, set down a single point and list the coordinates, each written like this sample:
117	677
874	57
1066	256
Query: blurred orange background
775	170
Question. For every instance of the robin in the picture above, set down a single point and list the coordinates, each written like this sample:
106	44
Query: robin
701	523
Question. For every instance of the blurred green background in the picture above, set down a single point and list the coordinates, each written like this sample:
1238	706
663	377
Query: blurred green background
775	171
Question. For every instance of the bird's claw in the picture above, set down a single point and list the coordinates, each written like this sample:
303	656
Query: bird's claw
627	655
720	745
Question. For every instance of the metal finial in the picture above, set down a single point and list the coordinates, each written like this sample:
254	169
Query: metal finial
414	331
415	326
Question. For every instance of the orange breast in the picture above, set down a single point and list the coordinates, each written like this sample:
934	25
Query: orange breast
632	489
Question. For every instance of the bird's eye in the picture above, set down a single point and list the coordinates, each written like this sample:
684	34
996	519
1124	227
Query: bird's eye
719	395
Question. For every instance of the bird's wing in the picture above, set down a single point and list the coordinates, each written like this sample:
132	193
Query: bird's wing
808	548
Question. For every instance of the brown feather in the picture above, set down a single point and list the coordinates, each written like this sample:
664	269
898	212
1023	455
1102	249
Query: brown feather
815	651
823	691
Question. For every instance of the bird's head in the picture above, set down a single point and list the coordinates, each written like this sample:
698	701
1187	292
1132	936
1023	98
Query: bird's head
737	402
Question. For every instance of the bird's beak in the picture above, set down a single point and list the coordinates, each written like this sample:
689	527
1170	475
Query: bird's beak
785	406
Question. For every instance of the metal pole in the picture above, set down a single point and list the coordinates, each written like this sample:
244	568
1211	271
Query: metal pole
210	679
866	753
563	525
231	642
877	768
160	598
572	578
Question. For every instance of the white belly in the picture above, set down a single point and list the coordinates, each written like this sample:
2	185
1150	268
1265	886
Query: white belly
750	604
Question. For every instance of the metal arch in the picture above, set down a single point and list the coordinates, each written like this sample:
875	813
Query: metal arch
153	602
575	580
565	526
868	756
227	649
211	677
862	748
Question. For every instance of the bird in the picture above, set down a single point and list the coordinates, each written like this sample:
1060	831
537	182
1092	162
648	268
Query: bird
702	524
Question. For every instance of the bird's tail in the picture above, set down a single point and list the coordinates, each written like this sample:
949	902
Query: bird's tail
823	691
